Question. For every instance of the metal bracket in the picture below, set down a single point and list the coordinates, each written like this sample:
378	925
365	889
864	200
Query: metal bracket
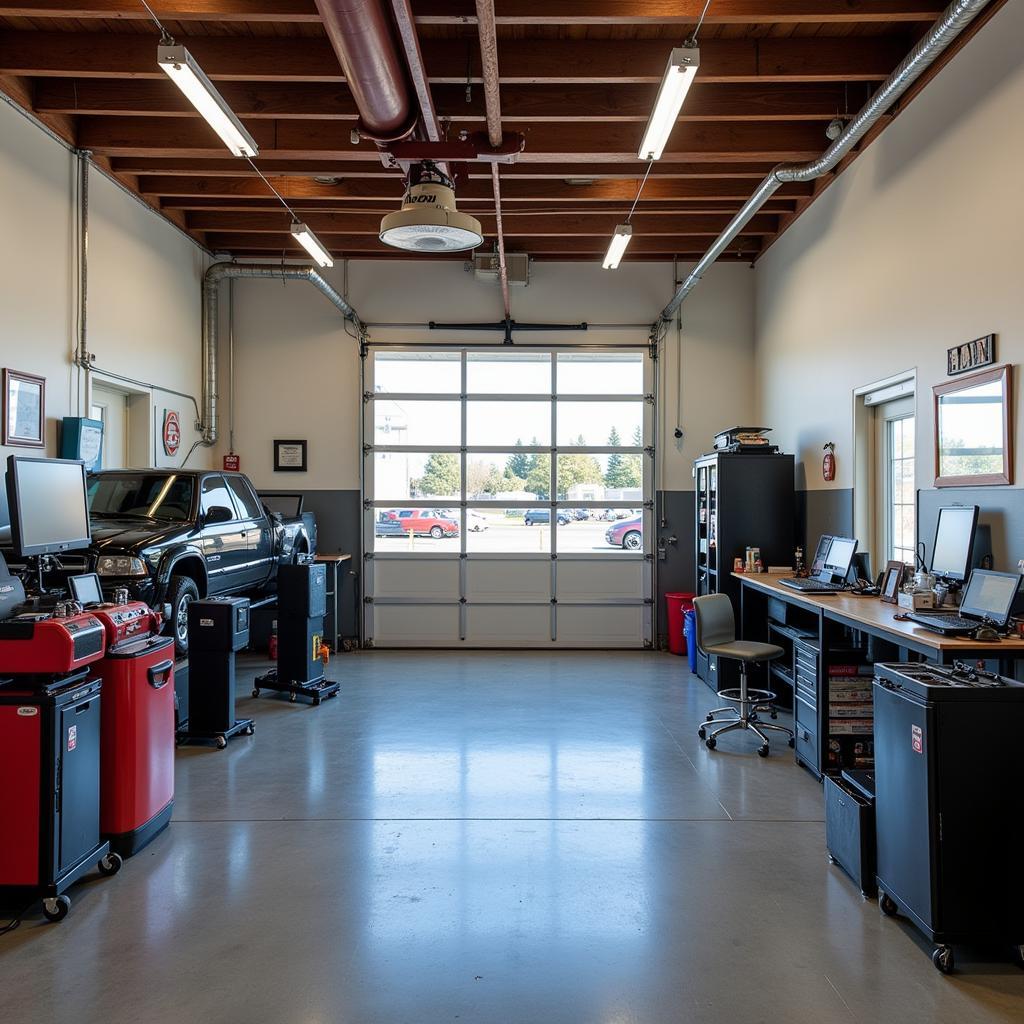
367	396
648	600
367	555
554	600
367	600
463	600
649	504
649	450
367	448
649	399
367	504
648	557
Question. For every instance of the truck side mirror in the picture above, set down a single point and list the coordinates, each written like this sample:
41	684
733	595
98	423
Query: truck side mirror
218	514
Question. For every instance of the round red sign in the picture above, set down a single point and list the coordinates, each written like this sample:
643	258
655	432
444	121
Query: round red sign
172	432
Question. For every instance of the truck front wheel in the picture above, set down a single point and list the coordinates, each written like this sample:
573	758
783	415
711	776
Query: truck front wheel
181	592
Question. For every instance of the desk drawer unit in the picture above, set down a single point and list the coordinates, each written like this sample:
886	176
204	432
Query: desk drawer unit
805	705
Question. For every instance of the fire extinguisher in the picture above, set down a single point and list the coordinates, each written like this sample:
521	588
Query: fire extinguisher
828	463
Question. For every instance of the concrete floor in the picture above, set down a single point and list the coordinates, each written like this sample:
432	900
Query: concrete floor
499	837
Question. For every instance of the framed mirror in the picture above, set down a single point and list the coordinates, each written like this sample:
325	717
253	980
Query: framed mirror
973	430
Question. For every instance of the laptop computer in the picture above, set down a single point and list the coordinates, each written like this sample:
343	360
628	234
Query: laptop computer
830	578
988	600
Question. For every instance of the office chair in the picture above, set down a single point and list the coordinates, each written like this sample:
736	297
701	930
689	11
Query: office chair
716	635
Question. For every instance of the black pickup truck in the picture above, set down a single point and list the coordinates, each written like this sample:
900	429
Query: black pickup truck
172	535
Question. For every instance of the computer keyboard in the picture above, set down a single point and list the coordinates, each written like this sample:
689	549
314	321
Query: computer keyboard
948	620
796	583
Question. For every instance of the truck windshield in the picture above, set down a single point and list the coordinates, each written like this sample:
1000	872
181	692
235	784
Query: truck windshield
141	495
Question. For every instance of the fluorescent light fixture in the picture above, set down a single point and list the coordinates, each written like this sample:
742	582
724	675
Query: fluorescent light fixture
617	246
679	75
312	244
182	69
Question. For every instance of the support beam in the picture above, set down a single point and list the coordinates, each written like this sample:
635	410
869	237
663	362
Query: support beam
509	12
512	191
575	61
570	143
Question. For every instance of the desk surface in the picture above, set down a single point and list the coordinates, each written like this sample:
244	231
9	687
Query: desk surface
876	616
332	556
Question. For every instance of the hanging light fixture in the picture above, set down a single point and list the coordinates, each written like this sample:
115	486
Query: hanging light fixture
428	220
675	84
311	244
617	246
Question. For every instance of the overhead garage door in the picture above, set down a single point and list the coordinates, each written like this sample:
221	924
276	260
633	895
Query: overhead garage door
508	497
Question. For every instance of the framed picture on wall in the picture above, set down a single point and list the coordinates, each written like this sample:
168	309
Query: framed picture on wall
24	409
289	456
892	580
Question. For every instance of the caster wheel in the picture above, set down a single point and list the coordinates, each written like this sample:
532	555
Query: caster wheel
702	732
775	715
316	702
711	743
222	742
887	905
250	729
56	909
762	751
792	742
831	859
292	698
943	959
332	694
111	864
255	692
709	718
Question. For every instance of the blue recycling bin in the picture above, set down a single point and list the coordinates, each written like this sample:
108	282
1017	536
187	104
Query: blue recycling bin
690	632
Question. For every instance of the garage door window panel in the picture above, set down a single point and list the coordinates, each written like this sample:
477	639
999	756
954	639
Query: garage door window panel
435	373
525	373
582	373
422	477
415	423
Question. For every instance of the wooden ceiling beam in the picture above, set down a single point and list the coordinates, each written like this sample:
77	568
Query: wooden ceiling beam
714	142
228	167
508	12
512	191
523	61
733	101
346	244
518	225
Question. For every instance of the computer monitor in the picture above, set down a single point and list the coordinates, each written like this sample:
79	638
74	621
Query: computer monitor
49	508
85	589
839	557
954	541
820	553
990	595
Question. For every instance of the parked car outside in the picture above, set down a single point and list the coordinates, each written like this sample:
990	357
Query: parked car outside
581	514
538	516
628	535
475	522
425	522
388	526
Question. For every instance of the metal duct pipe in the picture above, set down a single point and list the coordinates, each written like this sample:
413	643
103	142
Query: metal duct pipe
956	17
363	39
219	272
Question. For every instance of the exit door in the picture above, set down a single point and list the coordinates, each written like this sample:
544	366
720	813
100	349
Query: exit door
110	407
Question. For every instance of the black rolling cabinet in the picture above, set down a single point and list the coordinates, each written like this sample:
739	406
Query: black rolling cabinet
743	499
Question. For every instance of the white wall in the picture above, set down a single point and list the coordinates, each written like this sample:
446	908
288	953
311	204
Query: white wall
914	249
297	372
144	285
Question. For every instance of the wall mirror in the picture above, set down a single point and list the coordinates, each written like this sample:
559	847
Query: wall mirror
973	432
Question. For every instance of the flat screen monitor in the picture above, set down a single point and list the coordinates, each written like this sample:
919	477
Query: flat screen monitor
49	508
990	595
954	541
286	505
820	553
840	556
85	589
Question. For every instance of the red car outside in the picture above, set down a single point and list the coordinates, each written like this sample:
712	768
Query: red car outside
425	522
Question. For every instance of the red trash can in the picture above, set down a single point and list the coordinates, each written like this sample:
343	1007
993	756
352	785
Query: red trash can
675	604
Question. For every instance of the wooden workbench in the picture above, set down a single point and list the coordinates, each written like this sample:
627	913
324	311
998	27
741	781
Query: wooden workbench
332	627
814	630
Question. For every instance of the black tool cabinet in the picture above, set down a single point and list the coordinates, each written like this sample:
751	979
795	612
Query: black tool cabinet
743	499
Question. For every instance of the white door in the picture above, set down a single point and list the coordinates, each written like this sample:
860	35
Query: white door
508	498
895	490
111	407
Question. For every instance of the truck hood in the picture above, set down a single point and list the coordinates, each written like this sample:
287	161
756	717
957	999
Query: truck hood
113	535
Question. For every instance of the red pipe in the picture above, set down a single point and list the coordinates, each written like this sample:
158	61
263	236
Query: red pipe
363	39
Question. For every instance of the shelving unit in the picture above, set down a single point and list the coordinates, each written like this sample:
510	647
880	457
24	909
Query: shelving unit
742	499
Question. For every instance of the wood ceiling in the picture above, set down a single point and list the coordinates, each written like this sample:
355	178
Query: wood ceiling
578	79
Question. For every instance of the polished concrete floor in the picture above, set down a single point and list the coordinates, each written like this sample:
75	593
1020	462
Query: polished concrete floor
489	838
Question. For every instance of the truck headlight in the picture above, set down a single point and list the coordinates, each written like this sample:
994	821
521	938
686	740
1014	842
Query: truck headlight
120	565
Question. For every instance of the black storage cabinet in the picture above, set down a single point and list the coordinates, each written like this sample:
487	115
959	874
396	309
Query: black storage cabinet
850	826
217	628
948	765
302	604
743	500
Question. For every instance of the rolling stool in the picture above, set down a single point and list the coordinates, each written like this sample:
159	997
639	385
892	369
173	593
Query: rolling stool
716	634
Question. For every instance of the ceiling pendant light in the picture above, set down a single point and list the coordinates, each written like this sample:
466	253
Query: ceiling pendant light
181	67
428	220
675	84
311	244
617	246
